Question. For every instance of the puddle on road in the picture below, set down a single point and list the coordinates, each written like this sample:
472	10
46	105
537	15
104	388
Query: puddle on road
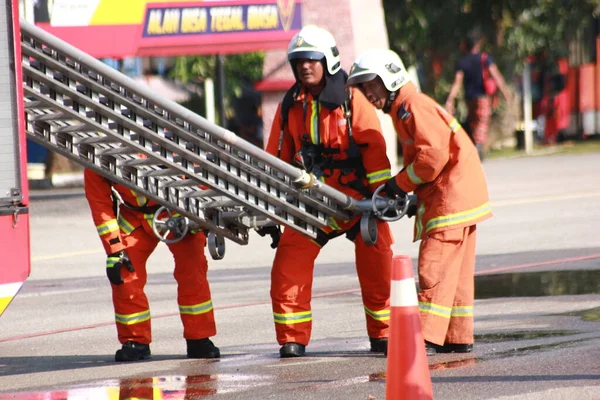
533	284
520	335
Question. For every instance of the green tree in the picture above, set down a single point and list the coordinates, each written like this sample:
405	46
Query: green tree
429	33
240	70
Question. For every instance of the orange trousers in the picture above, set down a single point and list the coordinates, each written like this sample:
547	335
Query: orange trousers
132	312
292	277
447	290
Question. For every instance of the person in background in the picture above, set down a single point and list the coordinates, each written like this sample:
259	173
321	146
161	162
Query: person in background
471	69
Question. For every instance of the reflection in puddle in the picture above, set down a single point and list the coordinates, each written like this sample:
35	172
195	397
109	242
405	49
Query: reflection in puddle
452	364
157	388
544	283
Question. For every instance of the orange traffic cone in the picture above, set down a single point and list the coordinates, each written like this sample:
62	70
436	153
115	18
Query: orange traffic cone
407	374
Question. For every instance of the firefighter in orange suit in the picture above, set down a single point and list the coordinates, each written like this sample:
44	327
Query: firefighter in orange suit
335	135
442	168
123	221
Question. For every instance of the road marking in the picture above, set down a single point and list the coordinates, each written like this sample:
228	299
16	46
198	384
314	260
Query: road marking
66	255
531	200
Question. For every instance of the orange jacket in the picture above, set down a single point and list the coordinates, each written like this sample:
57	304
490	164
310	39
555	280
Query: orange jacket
99	195
333	134
441	165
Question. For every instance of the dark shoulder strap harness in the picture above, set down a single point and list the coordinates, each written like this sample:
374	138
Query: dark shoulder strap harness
318	158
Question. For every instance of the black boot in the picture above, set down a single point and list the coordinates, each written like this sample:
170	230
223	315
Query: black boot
379	345
133	351
292	350
431	349
202	348
455	348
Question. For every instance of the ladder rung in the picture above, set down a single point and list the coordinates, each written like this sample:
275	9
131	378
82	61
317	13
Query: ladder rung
75	128
201	193
115	151
180	183
161	172
96	139
33	104
138	161
48	117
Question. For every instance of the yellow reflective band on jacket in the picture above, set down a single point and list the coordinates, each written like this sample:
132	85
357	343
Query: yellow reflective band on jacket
293	318
458	218
454	125
378	176
419	223
435	309
462	311
196	309
314	122
130	319
383	315
125	226
332	223
141	200
111	261
413	176
107	227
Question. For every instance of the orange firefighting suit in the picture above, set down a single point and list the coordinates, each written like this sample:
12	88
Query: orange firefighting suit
292	274
131	230
442	167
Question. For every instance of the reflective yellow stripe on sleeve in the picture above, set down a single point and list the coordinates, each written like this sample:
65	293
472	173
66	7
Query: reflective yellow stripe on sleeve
378	176
410	170
454	125
125	226
293	318
107	227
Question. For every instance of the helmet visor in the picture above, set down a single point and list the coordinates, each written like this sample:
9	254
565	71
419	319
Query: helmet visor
360	78
305	54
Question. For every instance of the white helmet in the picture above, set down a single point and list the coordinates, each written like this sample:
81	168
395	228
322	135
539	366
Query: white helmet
315	43
382	63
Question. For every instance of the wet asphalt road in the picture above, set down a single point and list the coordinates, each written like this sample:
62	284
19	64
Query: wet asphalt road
58	339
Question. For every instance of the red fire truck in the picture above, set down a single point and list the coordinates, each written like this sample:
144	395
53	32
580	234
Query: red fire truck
14	193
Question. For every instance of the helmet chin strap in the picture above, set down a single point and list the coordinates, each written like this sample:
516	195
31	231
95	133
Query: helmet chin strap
388	103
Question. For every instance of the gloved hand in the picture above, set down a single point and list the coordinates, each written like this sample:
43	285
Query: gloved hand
392	189
114	262
272	230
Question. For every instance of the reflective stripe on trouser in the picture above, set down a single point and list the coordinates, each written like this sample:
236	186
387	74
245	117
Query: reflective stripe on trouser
292	276
130	301
446	281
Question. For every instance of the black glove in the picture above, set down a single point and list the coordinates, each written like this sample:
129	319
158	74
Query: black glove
272	230
392	189
114	262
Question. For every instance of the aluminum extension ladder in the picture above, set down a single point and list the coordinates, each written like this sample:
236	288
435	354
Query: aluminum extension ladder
90	113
